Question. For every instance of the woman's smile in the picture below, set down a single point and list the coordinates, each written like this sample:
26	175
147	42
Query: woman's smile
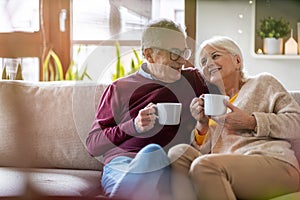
214	70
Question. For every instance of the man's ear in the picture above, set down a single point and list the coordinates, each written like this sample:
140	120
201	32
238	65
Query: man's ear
148	52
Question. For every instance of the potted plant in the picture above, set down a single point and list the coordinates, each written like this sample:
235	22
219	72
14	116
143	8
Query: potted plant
19	75
120	69
272	31
55	73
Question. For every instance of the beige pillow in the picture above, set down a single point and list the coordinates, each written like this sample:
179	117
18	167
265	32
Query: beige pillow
44	124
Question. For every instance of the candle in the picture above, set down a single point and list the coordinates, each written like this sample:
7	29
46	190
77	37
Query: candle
259	51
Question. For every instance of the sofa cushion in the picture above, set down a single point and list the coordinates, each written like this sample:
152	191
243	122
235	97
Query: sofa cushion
44	124
49	182
296	95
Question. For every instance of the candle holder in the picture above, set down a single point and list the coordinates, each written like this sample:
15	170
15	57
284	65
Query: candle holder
291	46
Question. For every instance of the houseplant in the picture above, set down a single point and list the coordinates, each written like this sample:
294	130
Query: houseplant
272	31
120	69
19	75
55	73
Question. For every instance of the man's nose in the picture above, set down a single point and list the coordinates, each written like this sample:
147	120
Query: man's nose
181	60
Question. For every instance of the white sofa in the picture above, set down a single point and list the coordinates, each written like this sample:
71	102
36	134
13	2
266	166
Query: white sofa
43	128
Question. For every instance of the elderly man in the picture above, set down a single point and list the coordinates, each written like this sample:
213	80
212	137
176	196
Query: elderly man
126	131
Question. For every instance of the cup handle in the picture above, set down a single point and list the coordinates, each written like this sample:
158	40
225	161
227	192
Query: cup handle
156	111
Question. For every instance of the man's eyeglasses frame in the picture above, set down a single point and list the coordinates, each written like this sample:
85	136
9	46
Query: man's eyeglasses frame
175	53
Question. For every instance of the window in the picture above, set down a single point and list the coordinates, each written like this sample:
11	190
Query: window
23	17
98	24
31	46
19	15
93	26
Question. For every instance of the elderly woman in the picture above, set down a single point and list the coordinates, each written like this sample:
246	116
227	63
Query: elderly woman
245	153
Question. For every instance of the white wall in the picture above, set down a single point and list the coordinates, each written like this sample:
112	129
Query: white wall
219	17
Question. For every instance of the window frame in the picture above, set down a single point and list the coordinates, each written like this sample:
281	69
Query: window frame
37	44
21	44
190	23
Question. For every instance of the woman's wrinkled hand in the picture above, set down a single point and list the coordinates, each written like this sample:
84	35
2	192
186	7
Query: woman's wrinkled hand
145	119
236	120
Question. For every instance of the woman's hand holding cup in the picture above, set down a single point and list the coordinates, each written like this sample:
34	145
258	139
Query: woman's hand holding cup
197	109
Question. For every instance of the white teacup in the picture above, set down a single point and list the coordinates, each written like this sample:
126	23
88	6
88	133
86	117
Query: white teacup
169	113
214	104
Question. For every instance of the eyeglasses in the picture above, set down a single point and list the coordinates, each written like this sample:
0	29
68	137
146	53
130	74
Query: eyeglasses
175	53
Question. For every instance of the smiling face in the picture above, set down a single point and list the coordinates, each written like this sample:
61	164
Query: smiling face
220	67
162	64
162	67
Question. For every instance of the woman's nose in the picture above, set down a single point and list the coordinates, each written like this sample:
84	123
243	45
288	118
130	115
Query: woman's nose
209	61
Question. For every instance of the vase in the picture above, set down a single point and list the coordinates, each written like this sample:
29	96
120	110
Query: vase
273	46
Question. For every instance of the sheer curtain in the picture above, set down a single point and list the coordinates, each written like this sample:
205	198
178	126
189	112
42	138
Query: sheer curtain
19	15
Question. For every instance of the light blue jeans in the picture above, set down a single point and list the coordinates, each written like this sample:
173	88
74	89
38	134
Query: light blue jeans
144	177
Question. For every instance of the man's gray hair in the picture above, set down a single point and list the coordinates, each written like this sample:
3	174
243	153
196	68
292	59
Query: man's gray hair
159	30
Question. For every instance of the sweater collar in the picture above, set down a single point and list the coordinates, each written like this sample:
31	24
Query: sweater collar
142	71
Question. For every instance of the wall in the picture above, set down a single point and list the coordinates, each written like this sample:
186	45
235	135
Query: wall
219	17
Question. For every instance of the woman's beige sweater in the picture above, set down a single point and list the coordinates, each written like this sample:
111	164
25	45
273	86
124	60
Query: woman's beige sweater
278	121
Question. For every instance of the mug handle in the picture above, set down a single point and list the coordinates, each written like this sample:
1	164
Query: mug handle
156	111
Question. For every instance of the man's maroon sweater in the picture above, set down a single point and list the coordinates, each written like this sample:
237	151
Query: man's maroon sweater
113	132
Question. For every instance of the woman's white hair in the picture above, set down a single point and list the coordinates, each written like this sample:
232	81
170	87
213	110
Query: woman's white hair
224	43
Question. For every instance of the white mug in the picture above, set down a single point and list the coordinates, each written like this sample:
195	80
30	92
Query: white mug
169	113
214	104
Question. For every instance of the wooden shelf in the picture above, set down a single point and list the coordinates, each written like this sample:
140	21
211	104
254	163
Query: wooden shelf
264	56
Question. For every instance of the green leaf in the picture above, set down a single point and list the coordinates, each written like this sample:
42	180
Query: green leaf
51	72
19	73
81	77
78	50
140	61
271	27
55	73
69	74
4	76
48	70
120	70
46	67
58	66
118	65
88	76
